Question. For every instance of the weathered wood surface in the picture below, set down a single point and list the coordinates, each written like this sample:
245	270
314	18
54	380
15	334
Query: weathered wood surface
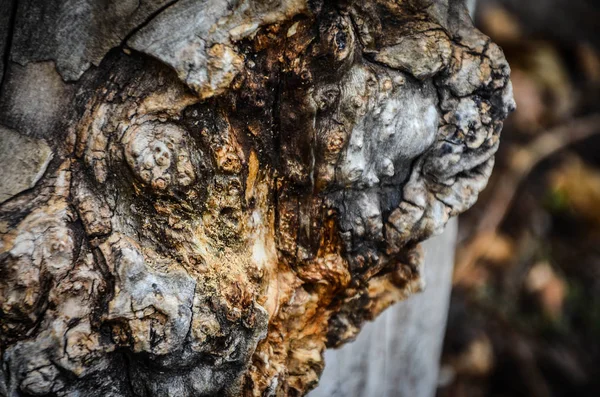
222	203
398	354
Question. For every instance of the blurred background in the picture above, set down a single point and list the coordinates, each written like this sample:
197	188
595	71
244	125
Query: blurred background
525	310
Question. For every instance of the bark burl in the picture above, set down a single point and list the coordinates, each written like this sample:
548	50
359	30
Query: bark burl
197	198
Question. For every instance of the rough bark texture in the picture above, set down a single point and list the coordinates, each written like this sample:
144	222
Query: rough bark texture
398	354
234	188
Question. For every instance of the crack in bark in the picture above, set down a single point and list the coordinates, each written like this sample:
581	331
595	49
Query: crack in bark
11	10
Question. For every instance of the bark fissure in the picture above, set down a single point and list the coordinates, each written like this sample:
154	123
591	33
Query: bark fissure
6	38
147	21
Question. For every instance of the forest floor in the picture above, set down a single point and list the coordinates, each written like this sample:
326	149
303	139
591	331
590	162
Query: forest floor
525	310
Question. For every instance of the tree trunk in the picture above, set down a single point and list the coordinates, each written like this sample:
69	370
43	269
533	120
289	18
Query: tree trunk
198	197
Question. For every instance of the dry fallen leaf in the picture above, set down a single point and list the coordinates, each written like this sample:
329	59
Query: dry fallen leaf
580	186
549	289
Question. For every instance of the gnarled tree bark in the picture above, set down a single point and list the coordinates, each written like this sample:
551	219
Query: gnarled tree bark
199	197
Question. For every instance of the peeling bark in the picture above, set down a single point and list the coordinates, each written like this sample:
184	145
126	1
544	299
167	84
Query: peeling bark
235	188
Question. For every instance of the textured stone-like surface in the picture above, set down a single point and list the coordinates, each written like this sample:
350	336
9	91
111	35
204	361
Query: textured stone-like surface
216	217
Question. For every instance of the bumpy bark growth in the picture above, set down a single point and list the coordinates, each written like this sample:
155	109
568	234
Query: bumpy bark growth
234	188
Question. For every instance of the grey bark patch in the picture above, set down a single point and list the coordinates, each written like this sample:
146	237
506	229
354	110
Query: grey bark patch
75	33
23	162
423	55
34	98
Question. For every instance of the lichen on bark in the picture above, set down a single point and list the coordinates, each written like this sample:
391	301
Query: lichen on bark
217	215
